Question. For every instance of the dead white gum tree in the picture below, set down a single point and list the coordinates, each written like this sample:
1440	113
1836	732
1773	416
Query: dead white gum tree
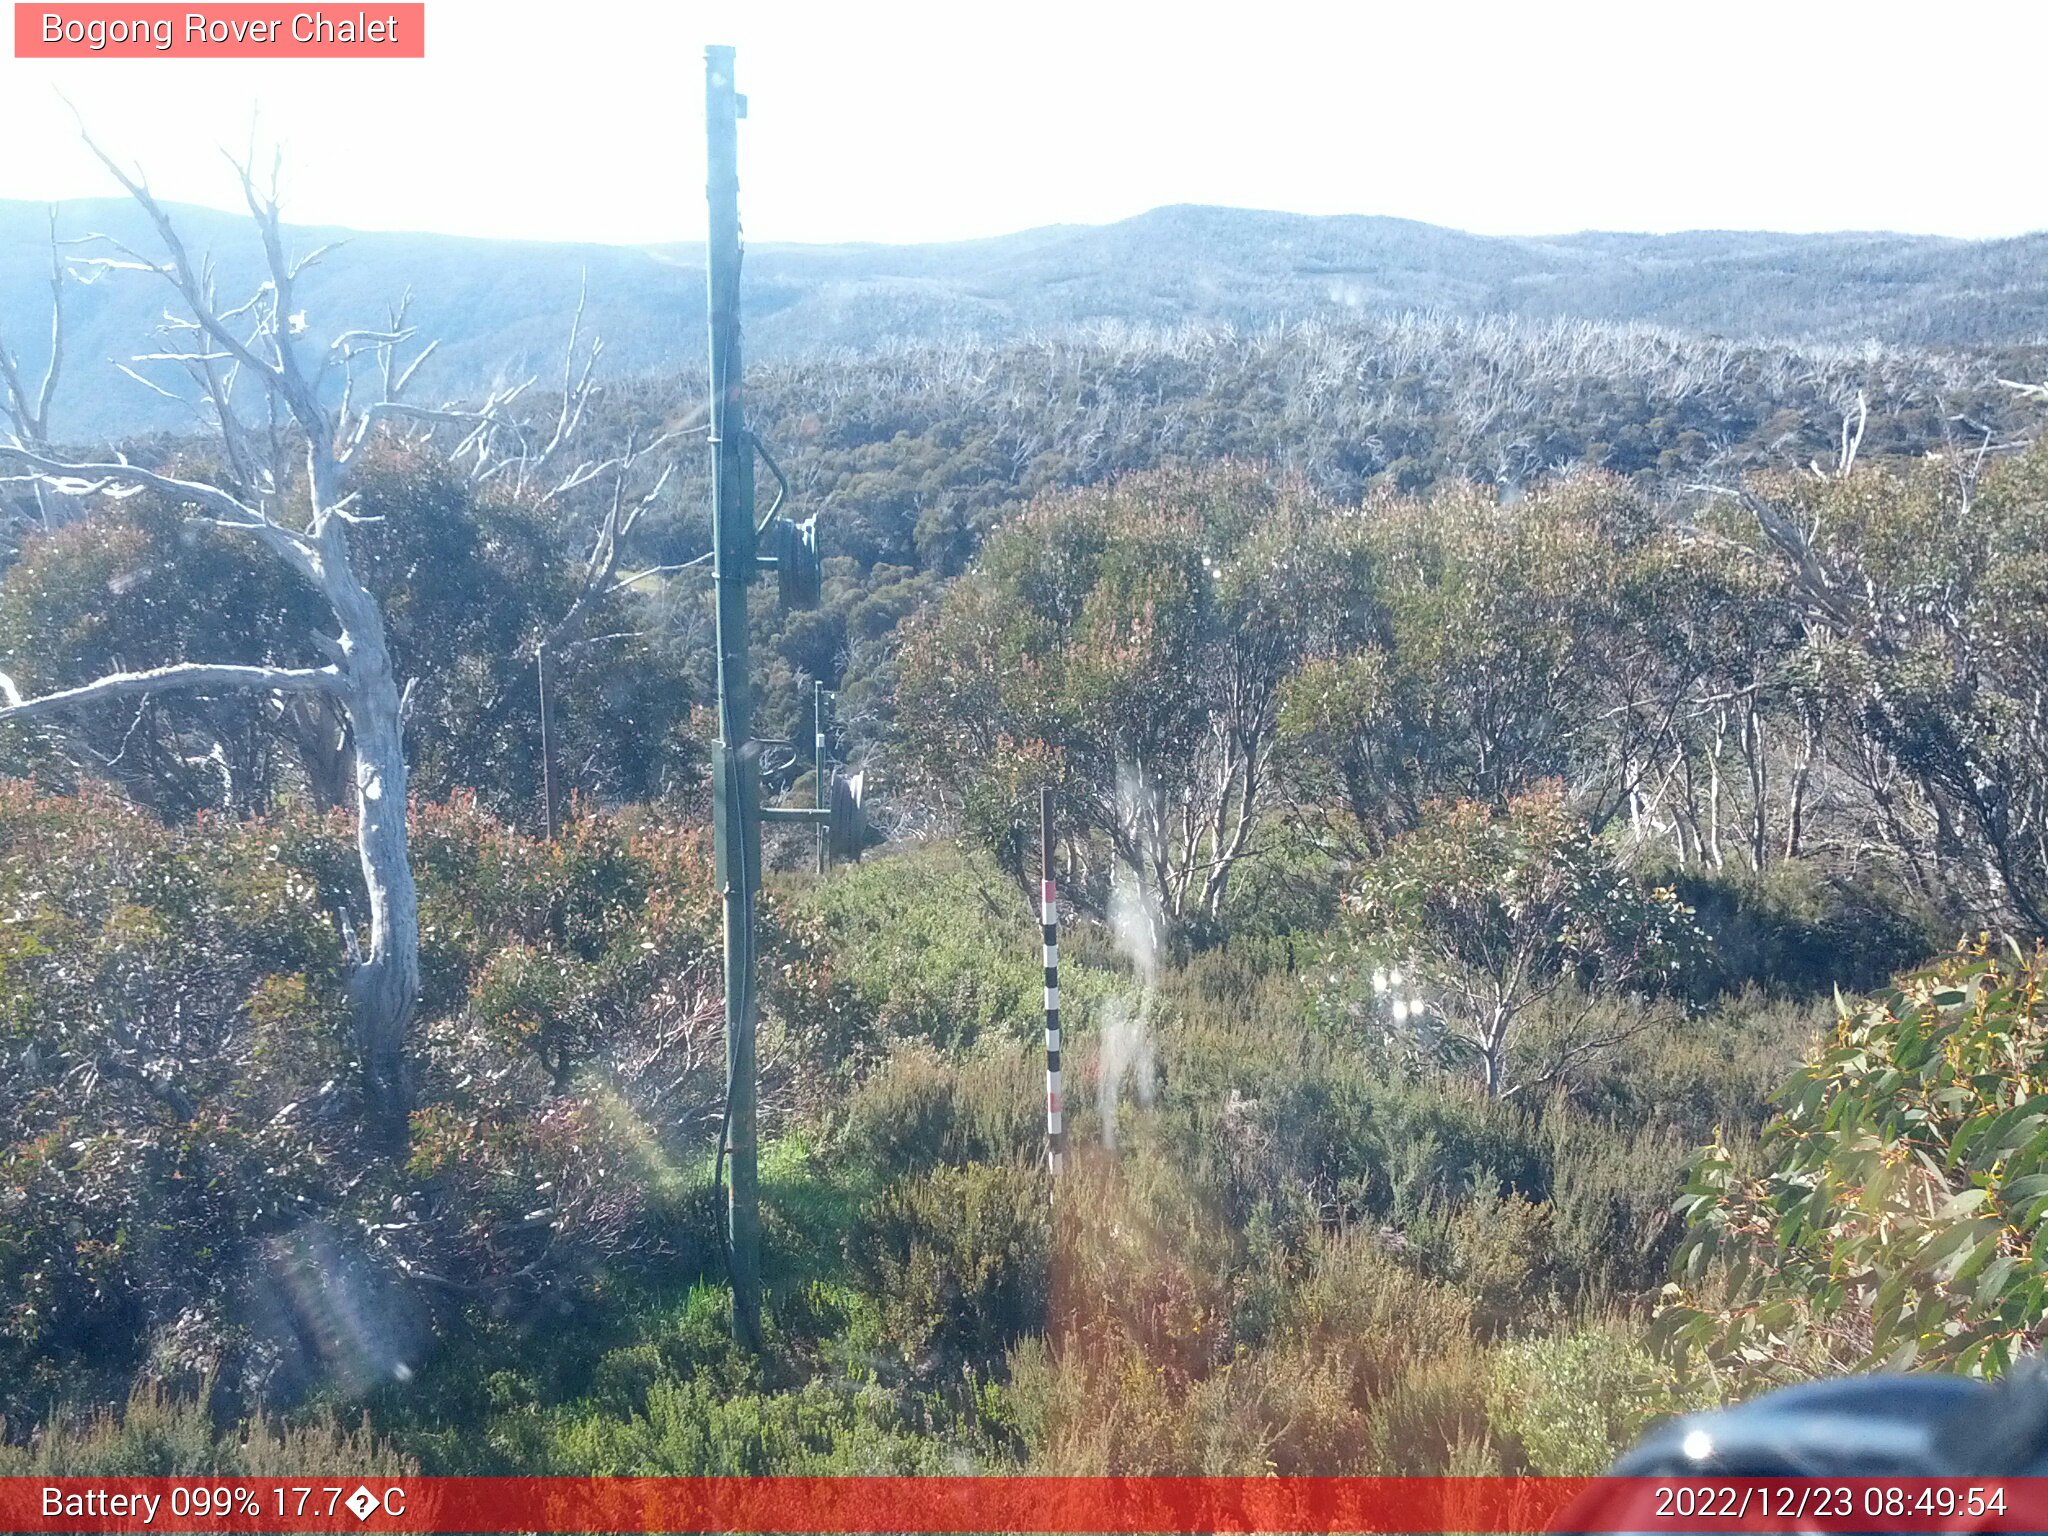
286	461
623	486
28	407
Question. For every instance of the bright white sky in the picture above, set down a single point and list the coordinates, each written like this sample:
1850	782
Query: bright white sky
901	120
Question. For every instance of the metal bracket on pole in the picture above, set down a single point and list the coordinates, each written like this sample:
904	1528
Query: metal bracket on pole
843	820
798	813
846	826
799	574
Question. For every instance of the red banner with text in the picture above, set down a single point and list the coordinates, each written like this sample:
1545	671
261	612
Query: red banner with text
233	31
1047	1504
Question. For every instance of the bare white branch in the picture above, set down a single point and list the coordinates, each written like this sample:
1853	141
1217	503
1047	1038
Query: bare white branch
217	502
184	675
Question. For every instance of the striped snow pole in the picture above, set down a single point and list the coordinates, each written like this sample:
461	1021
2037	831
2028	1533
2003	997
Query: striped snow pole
1055	1137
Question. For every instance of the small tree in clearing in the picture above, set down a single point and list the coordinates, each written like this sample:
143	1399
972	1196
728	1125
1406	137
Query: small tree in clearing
1496	911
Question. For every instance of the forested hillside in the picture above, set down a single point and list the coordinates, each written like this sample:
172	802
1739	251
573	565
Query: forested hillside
499	306
1492	757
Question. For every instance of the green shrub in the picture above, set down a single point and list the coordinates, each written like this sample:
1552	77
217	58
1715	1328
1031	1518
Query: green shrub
1263	1107
920	1110
1611	1184
1799	932
1498	1251
1500	915
159	1434
1360	1300
1715	1070
939	947
959	1259
692	1428
176	1124
1573	1403
171	1016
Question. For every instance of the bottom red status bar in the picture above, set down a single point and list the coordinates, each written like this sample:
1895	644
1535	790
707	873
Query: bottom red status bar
1047	1504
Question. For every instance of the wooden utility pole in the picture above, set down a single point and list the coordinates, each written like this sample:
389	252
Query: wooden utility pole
736	818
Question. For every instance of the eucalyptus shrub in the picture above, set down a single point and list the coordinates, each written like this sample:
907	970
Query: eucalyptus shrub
1895	1215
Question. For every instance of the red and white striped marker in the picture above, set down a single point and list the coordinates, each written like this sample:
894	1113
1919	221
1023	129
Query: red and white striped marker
1050	916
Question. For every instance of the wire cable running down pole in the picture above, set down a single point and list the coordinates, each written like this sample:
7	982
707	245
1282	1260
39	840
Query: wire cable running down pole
1055	1131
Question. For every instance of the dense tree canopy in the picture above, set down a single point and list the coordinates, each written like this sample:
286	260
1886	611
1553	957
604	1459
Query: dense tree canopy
1129	645
469	581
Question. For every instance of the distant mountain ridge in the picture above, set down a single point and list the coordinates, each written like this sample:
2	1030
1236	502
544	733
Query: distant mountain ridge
500	308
